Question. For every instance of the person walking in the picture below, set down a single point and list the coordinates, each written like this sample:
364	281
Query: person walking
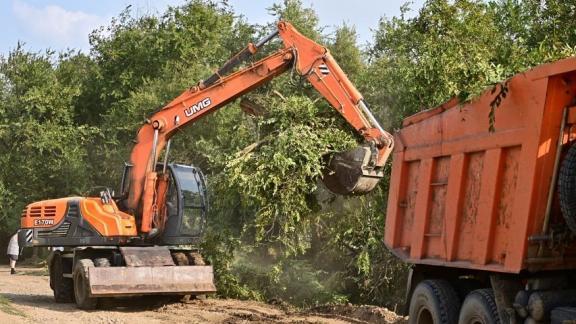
13	251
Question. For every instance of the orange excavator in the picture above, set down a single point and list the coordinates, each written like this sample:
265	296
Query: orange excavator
142	241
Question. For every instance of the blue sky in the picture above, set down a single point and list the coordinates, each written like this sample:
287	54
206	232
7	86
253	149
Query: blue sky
62	24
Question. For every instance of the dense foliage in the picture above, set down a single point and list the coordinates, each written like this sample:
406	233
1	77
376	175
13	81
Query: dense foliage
66	120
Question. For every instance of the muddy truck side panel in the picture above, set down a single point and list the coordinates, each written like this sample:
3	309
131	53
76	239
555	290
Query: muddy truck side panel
465	196
474	200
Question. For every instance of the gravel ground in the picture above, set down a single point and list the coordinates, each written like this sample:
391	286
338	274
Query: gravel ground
26	298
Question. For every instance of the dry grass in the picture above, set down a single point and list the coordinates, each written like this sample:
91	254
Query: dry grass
6	307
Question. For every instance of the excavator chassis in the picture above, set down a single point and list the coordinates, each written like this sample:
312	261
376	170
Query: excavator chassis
84	275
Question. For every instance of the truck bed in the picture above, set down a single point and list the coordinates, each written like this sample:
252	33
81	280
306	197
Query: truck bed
464	196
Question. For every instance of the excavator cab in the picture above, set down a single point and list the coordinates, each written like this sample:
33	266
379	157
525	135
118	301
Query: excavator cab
186	204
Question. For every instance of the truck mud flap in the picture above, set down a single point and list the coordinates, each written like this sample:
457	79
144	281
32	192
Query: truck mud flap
126	281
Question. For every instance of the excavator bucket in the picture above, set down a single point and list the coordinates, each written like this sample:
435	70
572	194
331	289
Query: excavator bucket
352	172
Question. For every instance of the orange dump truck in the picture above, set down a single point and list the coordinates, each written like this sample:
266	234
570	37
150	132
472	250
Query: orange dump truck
483	205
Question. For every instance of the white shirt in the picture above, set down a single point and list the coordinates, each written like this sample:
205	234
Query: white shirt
13	247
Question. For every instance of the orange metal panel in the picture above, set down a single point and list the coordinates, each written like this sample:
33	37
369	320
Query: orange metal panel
398	180
506	195
434	236
466	197
44	214
484	228
468	213
571	116
454	203
409	204
467	145
422	208
106	218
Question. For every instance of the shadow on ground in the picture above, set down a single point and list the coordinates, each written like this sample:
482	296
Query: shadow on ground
127	304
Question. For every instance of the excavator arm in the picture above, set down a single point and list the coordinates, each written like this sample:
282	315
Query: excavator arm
355	171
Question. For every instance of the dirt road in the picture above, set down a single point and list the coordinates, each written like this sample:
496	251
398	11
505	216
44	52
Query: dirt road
27	298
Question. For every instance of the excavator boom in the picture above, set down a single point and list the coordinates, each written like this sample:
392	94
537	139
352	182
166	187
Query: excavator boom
353	172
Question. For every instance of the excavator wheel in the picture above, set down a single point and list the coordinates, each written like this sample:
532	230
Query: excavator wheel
350	172
180	259
63	287
102	262
184	259
195	258
82	285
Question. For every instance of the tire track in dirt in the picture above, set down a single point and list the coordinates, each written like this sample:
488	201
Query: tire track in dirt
28	294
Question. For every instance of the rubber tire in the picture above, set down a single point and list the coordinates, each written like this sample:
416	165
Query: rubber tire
465	286
521	302
63	288
195	258
180	259
561	314
479	307
435	299
82	285
102	262
567	188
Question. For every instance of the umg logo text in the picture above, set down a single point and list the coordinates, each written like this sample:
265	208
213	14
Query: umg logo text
204	103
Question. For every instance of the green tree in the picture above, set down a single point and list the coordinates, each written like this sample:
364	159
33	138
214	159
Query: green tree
459	48
345	51
44	151
304	19
66	122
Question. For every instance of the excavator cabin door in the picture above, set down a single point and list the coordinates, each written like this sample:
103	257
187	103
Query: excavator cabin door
186	204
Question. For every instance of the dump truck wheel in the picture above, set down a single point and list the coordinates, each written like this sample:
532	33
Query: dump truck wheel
63	288
567	188
434	302
464	286
82	285
479	307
